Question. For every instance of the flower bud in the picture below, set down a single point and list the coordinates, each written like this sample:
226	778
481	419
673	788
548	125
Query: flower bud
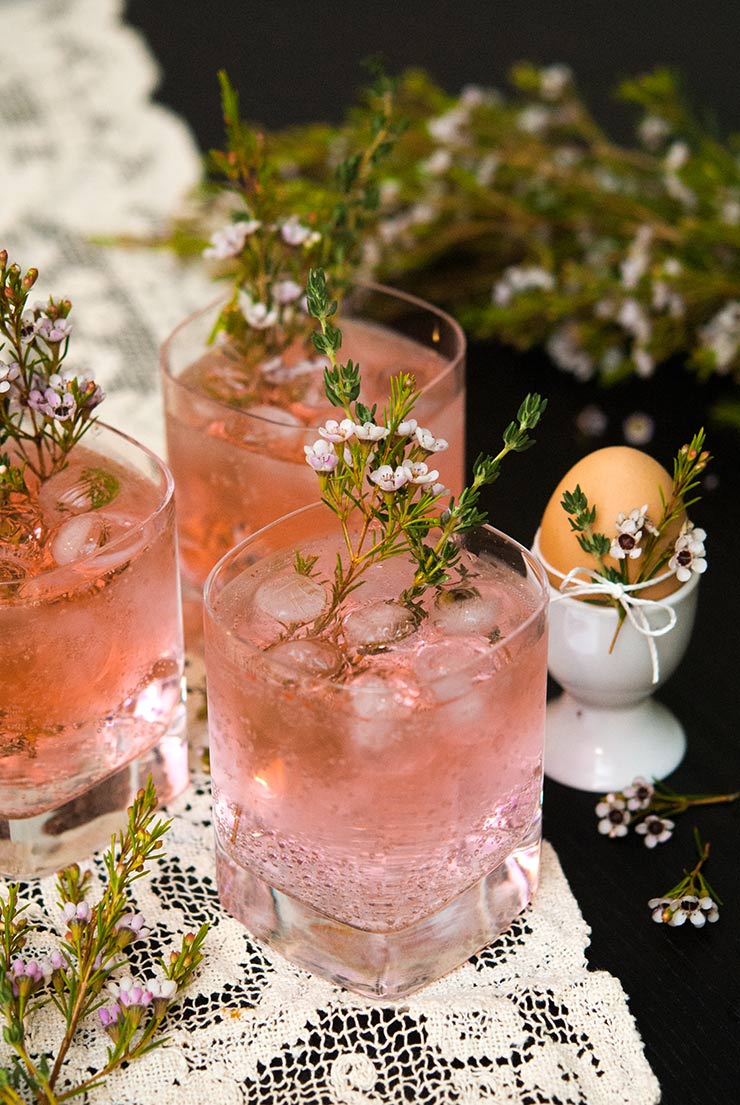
30	278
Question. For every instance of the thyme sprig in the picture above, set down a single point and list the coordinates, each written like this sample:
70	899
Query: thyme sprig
74	978
375	478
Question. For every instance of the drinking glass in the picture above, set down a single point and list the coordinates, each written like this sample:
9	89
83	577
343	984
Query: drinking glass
376	786
235	442
91	696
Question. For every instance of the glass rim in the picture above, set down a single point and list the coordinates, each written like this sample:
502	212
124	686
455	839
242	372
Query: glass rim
164	499
532	562
370	286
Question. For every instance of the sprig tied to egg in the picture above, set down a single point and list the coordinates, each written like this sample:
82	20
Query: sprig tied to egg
620	515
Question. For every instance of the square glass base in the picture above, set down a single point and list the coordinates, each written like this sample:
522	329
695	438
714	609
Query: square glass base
31	847
385	965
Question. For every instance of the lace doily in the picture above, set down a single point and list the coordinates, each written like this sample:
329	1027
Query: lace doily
84	152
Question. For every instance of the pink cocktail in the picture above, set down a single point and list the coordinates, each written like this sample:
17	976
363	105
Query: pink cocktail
235	441
90	625
376	789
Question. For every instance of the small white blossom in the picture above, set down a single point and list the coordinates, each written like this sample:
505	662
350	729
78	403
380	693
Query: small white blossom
676	157
487	169
721	335
161	989
644	362
9	373
554	79
656	830
653	131
321	456
638	428
370	432
638	794
629	534
689	555
437	163
426	439
286	291
614	817
564	348
390	479
405	429
294	233
229	240
635	264
450	128
337	431
258	315
632	318
419	473
534	119
521	278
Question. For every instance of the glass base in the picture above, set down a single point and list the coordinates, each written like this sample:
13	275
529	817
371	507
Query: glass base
386	965
31	847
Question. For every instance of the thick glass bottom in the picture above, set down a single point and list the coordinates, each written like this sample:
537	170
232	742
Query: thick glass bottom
386	965
31	847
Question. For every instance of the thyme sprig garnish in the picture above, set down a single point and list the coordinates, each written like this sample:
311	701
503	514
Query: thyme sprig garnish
76	978
375	477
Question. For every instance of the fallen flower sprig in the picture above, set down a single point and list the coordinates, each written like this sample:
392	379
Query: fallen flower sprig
74	976
692	899
649	807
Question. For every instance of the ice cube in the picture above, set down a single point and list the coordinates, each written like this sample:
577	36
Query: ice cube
310	657
377	705
268	423
291	599
84	539
75	490
78	537
446	668
463	610
378	623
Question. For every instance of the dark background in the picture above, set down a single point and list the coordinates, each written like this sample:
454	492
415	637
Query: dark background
295	62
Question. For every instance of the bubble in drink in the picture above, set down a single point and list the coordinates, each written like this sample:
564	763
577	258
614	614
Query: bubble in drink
379	623
309	657
463	610
292	599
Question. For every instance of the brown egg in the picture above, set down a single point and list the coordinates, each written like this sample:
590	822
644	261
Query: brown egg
614	480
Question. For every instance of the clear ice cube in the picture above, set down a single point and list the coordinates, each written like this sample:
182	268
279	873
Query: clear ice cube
75	491
78	537
86	537
378	623
462	610
291	599
310	657
273	424
447	668
376	704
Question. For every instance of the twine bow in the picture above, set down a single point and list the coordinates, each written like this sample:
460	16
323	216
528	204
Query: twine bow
634	607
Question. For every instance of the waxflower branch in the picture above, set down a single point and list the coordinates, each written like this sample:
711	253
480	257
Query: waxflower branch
648	808
74	977
379	471
45	408
638	538
278	230
691	899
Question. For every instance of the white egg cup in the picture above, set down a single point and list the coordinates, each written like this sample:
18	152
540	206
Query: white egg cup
606	729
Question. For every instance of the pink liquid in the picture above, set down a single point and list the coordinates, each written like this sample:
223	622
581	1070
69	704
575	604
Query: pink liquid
236	471
91	645
378	793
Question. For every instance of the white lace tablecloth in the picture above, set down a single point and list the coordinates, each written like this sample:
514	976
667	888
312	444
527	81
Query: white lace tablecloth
83	152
